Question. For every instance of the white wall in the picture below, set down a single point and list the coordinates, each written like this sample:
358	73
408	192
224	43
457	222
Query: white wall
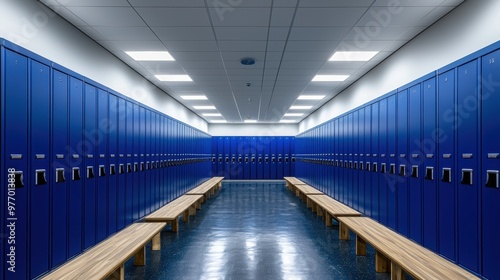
470	27
33	26
253	129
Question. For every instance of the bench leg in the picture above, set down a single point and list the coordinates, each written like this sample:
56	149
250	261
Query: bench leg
297	193
343	231
175	225
319	211
360	246
140	257
328	219
381	262
198	204
157	242
308	202
118	274
396	272
185	216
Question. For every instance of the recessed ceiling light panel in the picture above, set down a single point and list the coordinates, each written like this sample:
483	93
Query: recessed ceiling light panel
204	107
300	107
353	56
194	97
250	121
174	78
311	97
151	56
330	78
293	115
212	115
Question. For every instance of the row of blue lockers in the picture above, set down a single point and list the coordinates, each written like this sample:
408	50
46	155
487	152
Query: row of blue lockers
82	162
245	158
423	160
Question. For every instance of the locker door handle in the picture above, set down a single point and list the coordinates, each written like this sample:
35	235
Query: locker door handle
402	170
141	166
492	179
446	176
392	168
293	159
18	179
355	165
286	160
60	175
367	166
279	160
414	171
383	168
112	169
75	176
213	160
40	178
246	160
350	165
102	171
90	172
129	167
429	173
121	168
375	167
147	165
253	160
466	177
361	165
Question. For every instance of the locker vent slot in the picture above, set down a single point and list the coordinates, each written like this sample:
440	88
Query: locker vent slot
466	177
375	167
59	156
16	156
75	174
383	168
18	179
467	156
492	179
402	170
429	156
429	173
60	175
446	176
40	178
102	171
39	156
414	171
392	169
493	155
90	172
121	168
446	155
112	169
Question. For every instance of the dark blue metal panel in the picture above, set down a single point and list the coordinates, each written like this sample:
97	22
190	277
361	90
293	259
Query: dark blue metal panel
40	165
274	155
253	158
76	167
349	185
266	142
146	203
90	113
131	195
382	164
292	156
336	171
468	190
402	170
490	96
286	157
140	144
233	153
215	154
341	170
59	170
240	154
220	156
415	161
102	163
447	193
123	116
247	158
367	162
280	153
429	146
391	178
355	159
112	164
227	157
375	155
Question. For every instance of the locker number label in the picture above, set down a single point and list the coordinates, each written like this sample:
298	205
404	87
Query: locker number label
11	220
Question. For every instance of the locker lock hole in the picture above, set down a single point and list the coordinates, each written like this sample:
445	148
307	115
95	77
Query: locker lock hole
75	174
41	178
60	175
492	179
414	171
18	179
402	170
383	168
90	172
112	169
466	177
446	176
102	171
429	173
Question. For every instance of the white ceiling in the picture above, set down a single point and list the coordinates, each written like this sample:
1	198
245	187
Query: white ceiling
291	41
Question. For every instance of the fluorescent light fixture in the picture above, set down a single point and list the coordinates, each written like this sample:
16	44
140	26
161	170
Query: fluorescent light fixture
218	121
204	107
212	115
151	56
288	121
311	97
293	115
250	121
353	56
174	78
194	97
300	107
330	78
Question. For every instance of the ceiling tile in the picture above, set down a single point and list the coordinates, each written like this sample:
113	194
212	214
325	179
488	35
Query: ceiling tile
381	17
323	56
335	3
328	16
200	64
191	46
313	46
363	34
108	16
155	45
319	33
434	15
259	56
175	17
229	5
241	33
274	56
184	33
302	64
272	64
197	56
236	64
258	46
284	3
408	3
96	3
274	46
282	16
240	17
278	33
125	33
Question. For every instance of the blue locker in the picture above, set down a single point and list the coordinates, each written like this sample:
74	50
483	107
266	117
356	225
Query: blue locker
355	159
391	177
274	157
254	158
402	170
220	156
429	148
75	158
349	186
233	152
367	162
15	124
293	156
112	164
227	158
341	175
260	157
146	203
247	159
382	164
490	190
170	148
40	164
215	164
280	157
59	170
336	171
468	191
286	157
90	113
123	117
267	158
447	193
415	165
239	153
375	154
141	144
102	155
131	195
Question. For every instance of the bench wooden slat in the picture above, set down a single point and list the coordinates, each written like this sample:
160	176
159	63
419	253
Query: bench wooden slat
293	181
308	190
332	206
106	257
206	186
174	209
412	258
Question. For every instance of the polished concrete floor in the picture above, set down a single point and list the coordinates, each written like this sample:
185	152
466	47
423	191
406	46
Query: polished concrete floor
255	230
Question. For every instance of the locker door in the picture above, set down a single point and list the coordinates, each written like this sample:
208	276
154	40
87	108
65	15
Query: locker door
227	157
350	162
40	164
280	157
112	164
490	163
15	144
254	159
336	172
220	156
293	156
375	164
75	158
60	172
367	162
247	160
468	191
123	117
215	163
355	159
341	176
286	157
234	158
90	112
415	164
382	165
260	158
142	147
429	147
402	167
447	194
267	158
157	170
132	195
146	203
102	163
239	152
170	185
391	177
274	157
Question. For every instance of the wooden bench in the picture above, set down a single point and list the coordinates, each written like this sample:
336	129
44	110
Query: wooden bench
106	259
292	181
207	188
397	254
185	205
304	191
330	208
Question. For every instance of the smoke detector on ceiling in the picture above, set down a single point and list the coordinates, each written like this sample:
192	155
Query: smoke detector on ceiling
247	61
